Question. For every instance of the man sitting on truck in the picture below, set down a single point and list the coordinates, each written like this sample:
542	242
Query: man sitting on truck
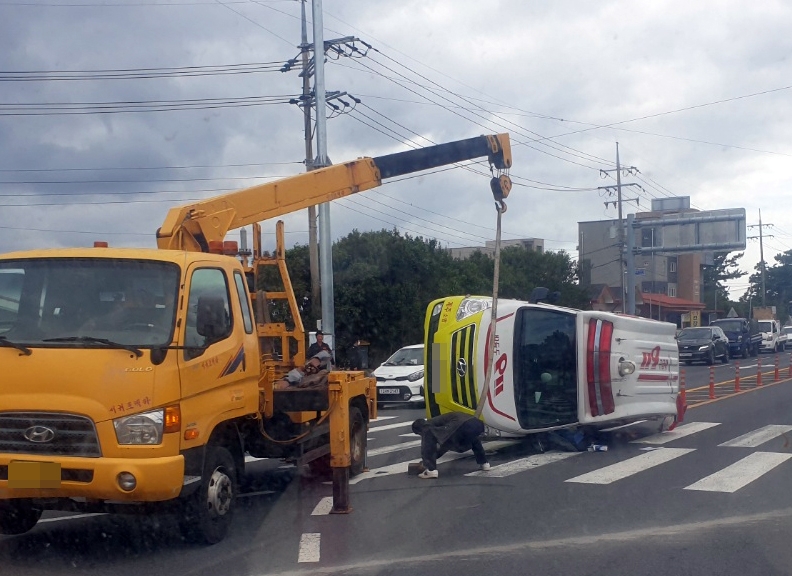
302	376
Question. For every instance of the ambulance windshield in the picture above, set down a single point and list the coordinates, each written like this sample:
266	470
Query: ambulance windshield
545	371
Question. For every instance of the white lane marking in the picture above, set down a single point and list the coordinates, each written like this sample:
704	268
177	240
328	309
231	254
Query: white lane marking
758	436
410	435
401	467
309	547
741	473
389	426
381	418
74	517
523	464
259	493
632	466
324	507
249	458
393	448
676	433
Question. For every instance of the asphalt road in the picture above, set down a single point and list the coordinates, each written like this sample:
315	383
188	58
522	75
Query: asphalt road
711	497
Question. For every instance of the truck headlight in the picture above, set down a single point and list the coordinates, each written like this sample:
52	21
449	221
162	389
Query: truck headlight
437	309
415	376
702	348
470	306
144	428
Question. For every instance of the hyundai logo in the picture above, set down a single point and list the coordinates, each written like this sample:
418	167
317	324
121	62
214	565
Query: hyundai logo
461	367
39	434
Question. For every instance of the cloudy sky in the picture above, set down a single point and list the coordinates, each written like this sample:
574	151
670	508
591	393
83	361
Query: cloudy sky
112	112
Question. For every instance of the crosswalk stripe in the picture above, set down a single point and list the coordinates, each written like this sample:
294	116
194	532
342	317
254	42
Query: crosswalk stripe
741	473
381	418
393	448
401	467
389	426
632	466
757	437
677	433
523	464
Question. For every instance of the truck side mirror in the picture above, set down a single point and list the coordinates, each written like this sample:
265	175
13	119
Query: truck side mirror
212	321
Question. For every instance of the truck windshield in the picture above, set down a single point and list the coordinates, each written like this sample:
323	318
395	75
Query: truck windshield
74	300
545	371
729	325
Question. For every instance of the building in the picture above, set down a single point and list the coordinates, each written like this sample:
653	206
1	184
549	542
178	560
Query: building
667	286
535	244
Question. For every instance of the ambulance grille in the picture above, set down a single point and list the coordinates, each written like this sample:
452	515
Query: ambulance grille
463	364
71	435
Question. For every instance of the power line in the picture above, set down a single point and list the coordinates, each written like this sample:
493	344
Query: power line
139	73
122	168
67	108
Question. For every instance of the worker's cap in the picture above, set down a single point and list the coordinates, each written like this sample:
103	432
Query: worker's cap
319	333
418	425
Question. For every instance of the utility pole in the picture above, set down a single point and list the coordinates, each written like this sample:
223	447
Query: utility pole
313	245
761	253
325	244
618	203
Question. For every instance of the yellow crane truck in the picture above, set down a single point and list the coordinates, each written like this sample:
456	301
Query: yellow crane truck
139	379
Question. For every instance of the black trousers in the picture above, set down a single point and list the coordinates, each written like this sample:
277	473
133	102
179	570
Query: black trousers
465	438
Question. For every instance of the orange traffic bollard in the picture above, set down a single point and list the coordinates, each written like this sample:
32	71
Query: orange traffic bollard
758	371
736	375
712	383
775	377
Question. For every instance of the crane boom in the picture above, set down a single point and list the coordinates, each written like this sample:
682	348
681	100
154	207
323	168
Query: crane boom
192	227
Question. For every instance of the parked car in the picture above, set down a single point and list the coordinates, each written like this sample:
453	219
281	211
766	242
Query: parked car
703	345
401	377
787	331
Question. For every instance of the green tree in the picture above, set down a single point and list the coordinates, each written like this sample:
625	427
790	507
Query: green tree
778	284
724	268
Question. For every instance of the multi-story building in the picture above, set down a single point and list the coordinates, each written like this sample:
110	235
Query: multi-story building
668	286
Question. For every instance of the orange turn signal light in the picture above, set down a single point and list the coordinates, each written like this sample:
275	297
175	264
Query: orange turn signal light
172	419
191	434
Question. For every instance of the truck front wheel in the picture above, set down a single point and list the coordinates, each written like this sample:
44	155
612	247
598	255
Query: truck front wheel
18	516
206	515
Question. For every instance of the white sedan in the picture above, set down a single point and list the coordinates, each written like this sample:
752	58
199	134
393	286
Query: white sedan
401	377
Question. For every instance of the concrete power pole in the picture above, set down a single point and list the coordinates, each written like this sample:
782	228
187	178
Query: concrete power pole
313	245
761	254
325	244
623	255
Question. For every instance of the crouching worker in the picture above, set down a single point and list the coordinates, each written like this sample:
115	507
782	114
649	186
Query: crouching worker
449	432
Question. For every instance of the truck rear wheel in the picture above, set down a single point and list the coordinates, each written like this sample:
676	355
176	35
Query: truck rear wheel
206	516
18	516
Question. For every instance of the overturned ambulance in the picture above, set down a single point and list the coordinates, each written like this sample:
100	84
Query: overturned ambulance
553	367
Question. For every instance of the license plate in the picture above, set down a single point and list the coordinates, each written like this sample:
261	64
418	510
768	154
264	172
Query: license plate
389	391
685	355
34	475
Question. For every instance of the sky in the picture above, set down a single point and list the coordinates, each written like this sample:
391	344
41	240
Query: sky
112	112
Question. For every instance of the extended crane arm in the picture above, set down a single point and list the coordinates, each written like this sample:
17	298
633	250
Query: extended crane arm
194	226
